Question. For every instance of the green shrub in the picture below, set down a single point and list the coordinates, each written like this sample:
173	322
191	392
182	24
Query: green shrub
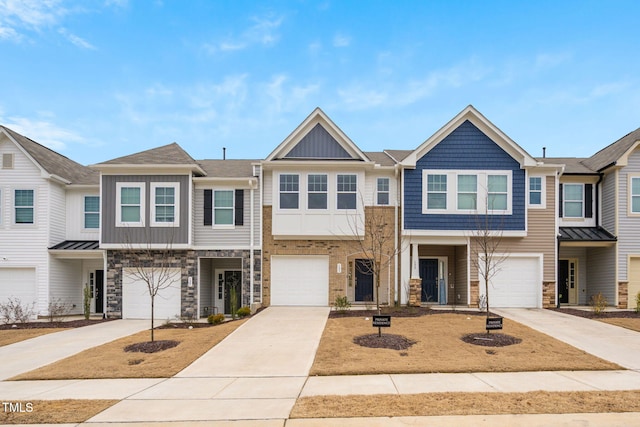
342	304
243	311
598	303
215	319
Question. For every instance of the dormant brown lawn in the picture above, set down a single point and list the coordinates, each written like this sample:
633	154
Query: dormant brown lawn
440	349
629	323
11	336
111	361
54	411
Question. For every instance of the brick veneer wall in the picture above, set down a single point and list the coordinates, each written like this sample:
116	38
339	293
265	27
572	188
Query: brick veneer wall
548	294
623	294
339	251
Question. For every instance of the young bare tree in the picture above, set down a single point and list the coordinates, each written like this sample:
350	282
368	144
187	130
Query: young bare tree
152	266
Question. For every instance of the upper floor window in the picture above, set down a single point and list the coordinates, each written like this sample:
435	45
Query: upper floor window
382	190
223	207
130	204
91	212
635	195
497	191
436	191
165	209
317	191
347	188
289	191
24	208
467	192
535	191
573	204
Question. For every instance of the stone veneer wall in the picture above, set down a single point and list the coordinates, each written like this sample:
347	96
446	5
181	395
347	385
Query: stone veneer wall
187	261
339	251
548	294
623	294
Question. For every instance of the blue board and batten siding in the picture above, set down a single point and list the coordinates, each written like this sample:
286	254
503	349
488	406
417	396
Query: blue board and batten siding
466	148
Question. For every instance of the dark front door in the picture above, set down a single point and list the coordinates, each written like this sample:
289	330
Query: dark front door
233	289
563	281
429	275
99	291
364	280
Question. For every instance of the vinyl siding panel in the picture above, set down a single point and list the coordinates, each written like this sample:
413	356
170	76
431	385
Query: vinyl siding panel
466	148
371	186
601	273
267	187
57	214
629	226
608	202
462	273
66	283
75	216
147	234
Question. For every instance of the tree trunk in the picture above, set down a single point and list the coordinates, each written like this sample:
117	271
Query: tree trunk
152	310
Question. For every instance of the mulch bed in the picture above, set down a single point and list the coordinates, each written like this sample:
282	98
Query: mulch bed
58	324
401	312
589	314
151	346
391	341
490	340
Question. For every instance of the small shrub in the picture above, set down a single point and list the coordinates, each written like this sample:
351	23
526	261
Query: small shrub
58	309
342	304
243	312
215	319
86	301
598	303
15	311
188	319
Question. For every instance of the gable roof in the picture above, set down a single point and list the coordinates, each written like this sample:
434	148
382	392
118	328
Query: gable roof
398	155
317	138
228	168
170	155
615	153
572	165
53	163
484	125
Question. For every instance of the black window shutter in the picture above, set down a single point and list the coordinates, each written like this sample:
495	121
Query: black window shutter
208	207
588	200
239	220
560	199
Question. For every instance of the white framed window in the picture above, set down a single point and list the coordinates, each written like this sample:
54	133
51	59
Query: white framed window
23	203
573	201
289	191
382	191
436	192
165	204
467	192
497	192
634	194
317	191
347	187
223	205
91	212
536	191
130	207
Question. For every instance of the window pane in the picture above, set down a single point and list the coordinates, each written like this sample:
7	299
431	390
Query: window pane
383	184
165	195
289	183
317	200
24	215
91	220
347	183
535	198
383	198
437	183
130	214
535	183
24	198
497	183
573	192
130	195
497	202
573	209
165	214
635	204
317	183
223	216
288	200
466	201
92	204
635	186
467	183
223	199
346	200
436	201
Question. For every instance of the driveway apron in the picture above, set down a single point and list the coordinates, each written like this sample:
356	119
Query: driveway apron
256	373
612	343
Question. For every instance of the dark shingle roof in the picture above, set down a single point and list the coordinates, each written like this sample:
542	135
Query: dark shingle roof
572	165
398	155
613	152
232	168
381	158
55	163
171	154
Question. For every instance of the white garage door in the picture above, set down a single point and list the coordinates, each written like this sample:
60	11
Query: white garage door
516	284
300	280
18	283
136	302
634	281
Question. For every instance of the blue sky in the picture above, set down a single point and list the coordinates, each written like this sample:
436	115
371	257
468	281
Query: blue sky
96	80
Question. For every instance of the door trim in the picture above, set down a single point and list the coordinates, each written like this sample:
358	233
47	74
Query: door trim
443	268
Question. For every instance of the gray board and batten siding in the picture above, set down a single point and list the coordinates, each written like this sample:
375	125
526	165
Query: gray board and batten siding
147	234
318	144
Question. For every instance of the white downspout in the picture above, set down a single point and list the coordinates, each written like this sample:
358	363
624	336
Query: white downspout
251	237
396	249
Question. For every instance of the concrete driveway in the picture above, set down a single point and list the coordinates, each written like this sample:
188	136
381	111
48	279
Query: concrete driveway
613	343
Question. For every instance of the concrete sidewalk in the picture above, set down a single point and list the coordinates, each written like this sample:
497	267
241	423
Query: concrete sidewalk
30	354
609	342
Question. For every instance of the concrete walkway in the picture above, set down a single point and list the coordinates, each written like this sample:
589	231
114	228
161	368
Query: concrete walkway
30	354
609	342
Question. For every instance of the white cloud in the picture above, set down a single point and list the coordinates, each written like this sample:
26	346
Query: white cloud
43	131
33	15
262	32
341	40
76	40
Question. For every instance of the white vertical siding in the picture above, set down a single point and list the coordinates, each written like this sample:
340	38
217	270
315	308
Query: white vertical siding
267	186
629	226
